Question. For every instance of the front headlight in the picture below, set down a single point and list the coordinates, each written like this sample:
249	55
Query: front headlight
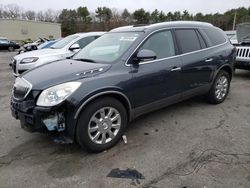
29	60
57	94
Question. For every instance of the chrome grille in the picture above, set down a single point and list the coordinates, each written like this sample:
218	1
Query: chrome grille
243	53
21	88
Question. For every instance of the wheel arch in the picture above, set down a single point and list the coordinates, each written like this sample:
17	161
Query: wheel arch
226	68
111	93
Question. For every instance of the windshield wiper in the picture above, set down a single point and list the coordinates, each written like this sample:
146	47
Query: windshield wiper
86	60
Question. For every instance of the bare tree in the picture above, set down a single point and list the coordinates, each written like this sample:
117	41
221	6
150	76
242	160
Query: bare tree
30	15
116	15
12	11
49	15
1	11
40	16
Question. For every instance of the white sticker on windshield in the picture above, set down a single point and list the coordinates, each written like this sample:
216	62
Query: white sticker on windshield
128	38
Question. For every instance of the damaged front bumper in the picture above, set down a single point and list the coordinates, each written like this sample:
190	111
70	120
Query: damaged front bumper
40	119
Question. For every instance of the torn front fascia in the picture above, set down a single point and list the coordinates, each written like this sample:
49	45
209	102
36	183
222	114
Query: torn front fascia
55	122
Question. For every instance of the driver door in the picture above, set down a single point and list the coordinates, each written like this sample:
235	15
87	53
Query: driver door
157	82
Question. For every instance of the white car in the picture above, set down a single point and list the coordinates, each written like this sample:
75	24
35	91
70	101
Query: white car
232	36
62	49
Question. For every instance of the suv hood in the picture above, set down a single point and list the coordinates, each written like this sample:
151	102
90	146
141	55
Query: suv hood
39	53
62	71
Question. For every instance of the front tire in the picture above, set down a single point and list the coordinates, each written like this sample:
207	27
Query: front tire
220	88
101	124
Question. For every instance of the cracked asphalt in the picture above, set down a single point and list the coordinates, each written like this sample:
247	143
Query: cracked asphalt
188	145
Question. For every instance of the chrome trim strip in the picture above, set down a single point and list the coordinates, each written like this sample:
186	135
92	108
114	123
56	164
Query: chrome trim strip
99	94
175	69
129	65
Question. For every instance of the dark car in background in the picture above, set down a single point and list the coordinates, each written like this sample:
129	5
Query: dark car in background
6	44
125	73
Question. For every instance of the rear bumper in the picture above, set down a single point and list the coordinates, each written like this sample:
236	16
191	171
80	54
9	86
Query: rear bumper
242	65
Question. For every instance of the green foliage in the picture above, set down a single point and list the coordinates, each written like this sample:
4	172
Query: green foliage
104	14
68	20
83	14
126	15
104	18
141	16
155	16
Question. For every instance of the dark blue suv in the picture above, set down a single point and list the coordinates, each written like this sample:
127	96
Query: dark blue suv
127	72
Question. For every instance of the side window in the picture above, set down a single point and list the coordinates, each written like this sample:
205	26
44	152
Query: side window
4	41
161	43
215	36
201	39
85	41
188	40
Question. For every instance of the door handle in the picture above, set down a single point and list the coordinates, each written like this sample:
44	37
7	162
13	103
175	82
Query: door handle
209	60
175	69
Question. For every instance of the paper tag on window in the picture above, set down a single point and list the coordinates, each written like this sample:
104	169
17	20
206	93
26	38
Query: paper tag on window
127	38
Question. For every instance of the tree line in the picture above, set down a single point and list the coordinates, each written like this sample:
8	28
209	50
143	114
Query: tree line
104	18
13	11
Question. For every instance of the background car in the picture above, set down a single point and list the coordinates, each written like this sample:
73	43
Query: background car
232	36
32	45
6	44
243	49
47	44
44	45
62	49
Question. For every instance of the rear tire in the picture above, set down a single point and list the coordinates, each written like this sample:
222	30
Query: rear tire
101	124
220	88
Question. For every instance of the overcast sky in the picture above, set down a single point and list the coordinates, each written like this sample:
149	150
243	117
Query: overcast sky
193	6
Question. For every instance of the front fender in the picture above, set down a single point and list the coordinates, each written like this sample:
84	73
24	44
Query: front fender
91	96
100	92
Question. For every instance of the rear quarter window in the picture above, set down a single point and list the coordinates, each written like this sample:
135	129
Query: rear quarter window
215	36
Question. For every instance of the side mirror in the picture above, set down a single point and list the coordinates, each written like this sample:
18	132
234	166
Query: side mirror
74	47
145	55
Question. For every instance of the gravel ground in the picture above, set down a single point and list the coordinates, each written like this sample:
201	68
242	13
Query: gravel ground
188	145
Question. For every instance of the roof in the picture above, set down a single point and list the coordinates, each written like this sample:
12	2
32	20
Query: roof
170	24
90	33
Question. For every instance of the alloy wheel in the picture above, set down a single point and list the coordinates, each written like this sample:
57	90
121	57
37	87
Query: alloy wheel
104	125
221	88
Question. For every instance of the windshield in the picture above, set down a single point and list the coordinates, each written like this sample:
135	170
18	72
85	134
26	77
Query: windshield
108	48
42	45
4	41
231	36
64	42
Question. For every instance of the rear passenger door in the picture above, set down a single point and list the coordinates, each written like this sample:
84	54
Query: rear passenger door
197	69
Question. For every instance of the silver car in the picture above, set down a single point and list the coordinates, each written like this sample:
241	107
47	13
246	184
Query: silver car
64	48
